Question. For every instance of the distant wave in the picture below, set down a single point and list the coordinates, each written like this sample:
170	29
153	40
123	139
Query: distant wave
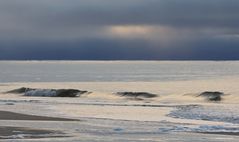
137	95
48	92
208	96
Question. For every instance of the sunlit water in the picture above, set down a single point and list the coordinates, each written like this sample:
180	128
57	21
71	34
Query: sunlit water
123	71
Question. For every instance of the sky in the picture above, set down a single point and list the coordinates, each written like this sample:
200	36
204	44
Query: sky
119	30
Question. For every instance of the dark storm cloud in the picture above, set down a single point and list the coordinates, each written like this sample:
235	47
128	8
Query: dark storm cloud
102	49
149	29
110	12
90	49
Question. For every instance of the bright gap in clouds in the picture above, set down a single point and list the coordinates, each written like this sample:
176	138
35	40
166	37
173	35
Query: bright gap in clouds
156	34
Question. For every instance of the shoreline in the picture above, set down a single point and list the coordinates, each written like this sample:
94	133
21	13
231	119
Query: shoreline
27	133
173	111
23	132
7	115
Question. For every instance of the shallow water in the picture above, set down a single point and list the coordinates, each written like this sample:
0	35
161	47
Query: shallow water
111	120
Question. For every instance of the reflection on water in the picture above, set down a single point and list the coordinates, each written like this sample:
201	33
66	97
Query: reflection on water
123	71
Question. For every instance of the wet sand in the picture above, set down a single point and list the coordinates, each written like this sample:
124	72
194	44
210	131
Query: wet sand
6	115
27	133
222	133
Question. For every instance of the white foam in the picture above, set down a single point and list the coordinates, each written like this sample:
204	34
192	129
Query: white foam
218	113
41	93
201	129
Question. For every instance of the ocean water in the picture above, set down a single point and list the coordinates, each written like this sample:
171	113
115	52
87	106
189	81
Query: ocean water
176	114
115	71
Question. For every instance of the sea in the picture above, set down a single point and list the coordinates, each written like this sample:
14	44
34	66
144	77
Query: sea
114	71
177	113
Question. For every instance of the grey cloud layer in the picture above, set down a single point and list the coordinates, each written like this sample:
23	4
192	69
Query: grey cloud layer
105	12
49	24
